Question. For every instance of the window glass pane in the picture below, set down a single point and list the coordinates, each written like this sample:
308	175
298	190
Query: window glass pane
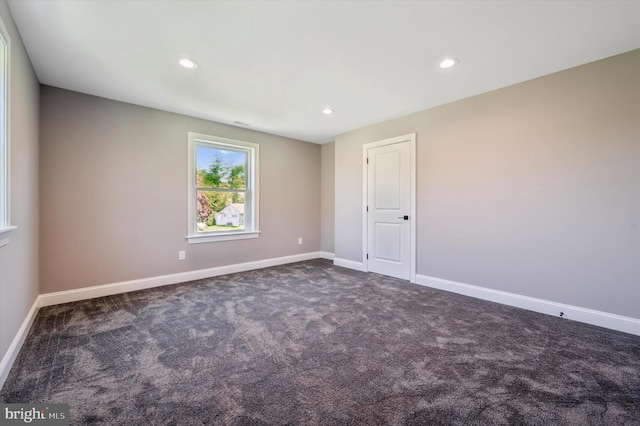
220	210
220	168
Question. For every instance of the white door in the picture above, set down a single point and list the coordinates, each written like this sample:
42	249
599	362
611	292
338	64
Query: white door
389	193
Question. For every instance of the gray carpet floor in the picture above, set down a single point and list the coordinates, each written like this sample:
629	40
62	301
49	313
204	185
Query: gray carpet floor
313	344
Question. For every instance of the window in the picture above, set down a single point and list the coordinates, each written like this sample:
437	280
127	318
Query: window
5	227
223	189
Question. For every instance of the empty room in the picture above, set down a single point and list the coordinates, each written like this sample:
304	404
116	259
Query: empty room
319	212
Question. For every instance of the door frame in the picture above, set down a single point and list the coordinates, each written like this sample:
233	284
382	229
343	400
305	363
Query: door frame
411	138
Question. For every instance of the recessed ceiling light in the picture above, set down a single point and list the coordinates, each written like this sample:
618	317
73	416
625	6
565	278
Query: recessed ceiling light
327	111
188	63
449	62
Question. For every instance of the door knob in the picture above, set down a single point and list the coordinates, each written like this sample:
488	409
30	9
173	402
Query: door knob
405	217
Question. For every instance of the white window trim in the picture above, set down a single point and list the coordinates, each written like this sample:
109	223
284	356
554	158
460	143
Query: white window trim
193	237
5	235
5	222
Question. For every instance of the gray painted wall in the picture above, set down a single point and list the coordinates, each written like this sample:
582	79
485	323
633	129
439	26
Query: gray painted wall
327	228
19	259
533	189
114	193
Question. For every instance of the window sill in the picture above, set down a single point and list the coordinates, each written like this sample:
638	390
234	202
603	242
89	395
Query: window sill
5	235
209	238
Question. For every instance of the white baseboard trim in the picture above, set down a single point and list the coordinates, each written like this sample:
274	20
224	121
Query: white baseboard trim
576	313
15	346
327	255
589	316
56	298
358	266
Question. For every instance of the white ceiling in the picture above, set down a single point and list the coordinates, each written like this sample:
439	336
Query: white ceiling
277	64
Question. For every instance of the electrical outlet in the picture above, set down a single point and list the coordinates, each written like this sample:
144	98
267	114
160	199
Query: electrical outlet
299	240
181	255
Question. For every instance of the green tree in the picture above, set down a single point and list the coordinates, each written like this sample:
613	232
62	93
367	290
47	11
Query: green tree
217	200
236	181
214	176
236	177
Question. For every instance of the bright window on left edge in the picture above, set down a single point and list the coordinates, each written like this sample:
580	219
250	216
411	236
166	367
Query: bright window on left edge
5	226
223	189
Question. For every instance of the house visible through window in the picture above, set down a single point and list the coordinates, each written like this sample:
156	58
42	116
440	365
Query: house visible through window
223	201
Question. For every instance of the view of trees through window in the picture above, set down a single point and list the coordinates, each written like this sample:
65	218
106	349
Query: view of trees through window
220	189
